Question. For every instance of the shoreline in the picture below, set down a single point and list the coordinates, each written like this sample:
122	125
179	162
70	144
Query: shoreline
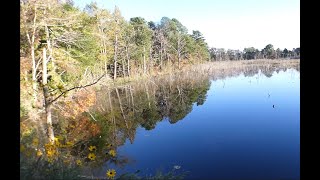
213	65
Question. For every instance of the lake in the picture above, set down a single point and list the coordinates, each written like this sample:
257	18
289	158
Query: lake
230	125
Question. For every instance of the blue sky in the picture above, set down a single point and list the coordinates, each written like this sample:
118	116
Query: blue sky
229	24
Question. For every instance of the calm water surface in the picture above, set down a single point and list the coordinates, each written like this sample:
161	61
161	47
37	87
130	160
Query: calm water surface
241	127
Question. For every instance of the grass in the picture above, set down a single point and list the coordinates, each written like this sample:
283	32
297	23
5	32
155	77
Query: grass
218	65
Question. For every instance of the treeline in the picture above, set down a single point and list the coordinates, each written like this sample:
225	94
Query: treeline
220	54
101	41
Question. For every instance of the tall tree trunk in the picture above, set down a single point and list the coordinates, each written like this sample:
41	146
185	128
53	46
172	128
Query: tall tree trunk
160	55
50	132
34	75
104	53
123	67
115	57
47	102
150	60
44	68
128	60
34	68
49	47
103	50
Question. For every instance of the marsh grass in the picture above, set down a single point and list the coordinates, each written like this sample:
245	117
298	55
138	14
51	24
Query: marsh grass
215	68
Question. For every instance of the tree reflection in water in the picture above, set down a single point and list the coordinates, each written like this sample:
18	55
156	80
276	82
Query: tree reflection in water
93	125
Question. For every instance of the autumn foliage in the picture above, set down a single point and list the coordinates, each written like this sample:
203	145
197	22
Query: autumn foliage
80	102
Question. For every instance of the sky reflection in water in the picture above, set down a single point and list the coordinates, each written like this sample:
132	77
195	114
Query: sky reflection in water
235	134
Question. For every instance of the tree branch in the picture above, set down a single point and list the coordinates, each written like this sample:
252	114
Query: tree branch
38	64
28	37
76	87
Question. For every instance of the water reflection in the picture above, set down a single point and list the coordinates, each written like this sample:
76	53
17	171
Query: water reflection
147	103
92	126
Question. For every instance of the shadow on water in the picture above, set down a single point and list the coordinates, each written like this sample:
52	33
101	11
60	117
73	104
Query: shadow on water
90	127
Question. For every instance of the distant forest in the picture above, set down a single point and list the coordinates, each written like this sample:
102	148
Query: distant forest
220	54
